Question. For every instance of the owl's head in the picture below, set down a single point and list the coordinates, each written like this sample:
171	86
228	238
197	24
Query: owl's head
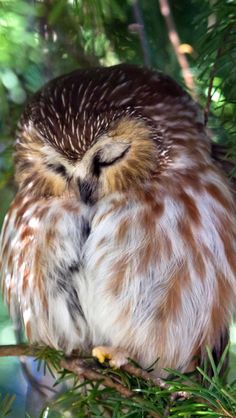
123	158
104	130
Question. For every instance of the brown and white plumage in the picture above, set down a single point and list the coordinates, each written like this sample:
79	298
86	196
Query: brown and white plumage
122	232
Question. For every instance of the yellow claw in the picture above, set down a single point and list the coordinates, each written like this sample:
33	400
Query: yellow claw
117	356
101	354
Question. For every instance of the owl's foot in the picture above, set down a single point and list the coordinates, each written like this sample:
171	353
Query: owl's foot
117	356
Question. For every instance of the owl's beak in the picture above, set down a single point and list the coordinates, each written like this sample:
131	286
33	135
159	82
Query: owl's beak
87	190
85	183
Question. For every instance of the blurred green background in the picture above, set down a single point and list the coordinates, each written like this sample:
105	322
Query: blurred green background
42	39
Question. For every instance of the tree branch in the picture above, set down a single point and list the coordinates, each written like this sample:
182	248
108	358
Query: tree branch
140	373
18	350
175	41
79	367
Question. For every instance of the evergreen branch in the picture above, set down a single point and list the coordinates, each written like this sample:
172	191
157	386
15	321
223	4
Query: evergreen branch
211	81
157	381
79	367
131	391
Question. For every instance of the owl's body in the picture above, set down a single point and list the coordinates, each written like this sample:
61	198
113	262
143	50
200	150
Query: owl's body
122	233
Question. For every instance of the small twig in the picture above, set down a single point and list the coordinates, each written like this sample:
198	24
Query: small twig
79	367
157	381
138	372
175	41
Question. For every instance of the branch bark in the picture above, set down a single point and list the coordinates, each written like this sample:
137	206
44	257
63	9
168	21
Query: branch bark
79	367
175	41
18	350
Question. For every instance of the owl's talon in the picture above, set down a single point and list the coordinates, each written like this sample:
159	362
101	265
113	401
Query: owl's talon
117	356
101	354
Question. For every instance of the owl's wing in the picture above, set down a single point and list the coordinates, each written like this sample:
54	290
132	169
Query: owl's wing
40	253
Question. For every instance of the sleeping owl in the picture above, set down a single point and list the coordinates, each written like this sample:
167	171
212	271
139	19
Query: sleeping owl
121	238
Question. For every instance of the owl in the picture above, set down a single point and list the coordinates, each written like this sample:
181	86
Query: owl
121	238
